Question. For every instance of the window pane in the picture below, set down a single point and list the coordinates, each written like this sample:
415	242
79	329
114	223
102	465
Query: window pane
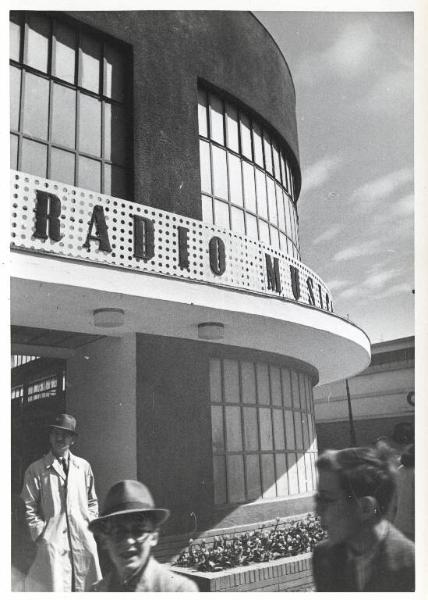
89	174
248	379
202	113
289	430
221	214
64	52
301	473
215	380
115	134
287	168
283	241
278	429
233	428
89	67
295	389
34	156
280	203
281	475
268	476
265	418
250	428
235	179
207	210
249	187
252	227
90	125
205	164
276	162
245	136
219	172
273	215
291	184
231	381
292	474
261	194
274	237
37	38
64	116
275	386
235	478
238	224
217	428
302	389
219	473
114	73
287	217
283	171
216	119
13	151
258	145
264	232
36	102
262	383
15	95
309	478
14	37
298	430
115	181
254	489
232	128
286	387
62	166
305	432
268	153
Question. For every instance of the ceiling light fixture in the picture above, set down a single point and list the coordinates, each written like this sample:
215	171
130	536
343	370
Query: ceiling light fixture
211	331
109	317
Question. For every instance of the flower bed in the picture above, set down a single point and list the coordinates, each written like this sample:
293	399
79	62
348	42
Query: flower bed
284	540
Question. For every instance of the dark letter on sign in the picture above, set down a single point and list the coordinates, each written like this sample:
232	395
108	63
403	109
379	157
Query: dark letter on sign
101	233
295	282
273	276
310	284
183	250
327	302
48	210
320	295
144	238
217	256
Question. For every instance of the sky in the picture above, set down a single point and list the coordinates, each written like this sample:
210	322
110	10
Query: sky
353	75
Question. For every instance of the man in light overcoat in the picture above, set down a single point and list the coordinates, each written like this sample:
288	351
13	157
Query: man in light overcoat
60	501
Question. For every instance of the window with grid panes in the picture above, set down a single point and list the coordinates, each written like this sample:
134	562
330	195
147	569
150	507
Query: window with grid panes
263	431
70	112
246	181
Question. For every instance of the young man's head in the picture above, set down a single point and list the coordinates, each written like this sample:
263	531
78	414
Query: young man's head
62	434
128	526
355	489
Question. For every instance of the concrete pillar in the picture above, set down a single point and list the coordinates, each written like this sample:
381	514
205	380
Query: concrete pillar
101	394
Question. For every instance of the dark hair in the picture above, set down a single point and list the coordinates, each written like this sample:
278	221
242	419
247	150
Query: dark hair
363	472
404	433
408	456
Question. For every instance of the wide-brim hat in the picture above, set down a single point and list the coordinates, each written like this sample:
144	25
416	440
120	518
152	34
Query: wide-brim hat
127	497
64	422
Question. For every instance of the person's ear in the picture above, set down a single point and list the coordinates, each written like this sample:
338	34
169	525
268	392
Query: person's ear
73	439
368	508
154	538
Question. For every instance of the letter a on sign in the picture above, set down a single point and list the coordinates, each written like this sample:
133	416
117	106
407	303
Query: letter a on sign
101	232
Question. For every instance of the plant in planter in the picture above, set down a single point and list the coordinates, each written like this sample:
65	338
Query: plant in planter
288	539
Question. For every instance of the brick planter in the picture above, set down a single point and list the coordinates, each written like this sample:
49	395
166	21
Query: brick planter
291	574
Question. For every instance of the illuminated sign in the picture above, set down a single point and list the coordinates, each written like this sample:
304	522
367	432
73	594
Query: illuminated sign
53	218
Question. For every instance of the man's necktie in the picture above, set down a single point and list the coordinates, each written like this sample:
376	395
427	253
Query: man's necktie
64	466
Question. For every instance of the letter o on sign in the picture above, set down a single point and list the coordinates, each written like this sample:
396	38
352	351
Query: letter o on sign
217	255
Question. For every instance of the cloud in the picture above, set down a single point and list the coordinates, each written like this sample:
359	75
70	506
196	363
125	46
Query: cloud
392	94
382	187
357	250
405	207
395	290
319	173
347	56
328	234
377	280
336	284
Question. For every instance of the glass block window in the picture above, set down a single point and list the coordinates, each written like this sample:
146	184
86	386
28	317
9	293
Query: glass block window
263	431
246	181
69	118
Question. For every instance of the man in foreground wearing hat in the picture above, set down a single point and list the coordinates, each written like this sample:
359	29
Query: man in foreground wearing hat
60	501
128	528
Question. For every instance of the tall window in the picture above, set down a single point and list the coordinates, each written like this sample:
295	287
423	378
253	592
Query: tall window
69	104
247	184
263	431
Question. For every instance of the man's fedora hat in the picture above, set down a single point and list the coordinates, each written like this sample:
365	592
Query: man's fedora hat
65	422
127	497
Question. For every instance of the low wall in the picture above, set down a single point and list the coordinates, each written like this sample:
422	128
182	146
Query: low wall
292	574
